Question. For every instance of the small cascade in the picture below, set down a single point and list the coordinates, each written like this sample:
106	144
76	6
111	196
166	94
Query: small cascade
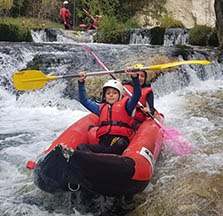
62	36
38	36
175	36
172	36
46	35
140	36
67	59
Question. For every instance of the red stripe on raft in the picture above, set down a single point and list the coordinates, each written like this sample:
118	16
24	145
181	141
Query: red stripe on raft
150	137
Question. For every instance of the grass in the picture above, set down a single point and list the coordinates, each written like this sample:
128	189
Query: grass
30	22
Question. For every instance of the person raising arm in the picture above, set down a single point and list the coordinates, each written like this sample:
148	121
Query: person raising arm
115	114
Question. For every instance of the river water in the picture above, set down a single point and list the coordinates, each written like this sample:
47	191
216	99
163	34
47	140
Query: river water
181	185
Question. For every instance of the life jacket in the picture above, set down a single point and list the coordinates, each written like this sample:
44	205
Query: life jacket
115	120
139	114
65	13
94	25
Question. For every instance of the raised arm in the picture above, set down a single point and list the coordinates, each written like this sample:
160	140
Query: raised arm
90	105
132	102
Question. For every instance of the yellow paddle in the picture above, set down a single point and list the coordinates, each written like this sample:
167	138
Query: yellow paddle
34	79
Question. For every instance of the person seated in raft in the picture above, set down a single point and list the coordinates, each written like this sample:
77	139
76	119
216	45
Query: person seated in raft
147	98
95	22
115	115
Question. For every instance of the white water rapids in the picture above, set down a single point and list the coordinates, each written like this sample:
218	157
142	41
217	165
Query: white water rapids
29	125
27	129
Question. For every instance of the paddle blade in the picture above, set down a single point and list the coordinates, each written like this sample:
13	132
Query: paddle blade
83	25
30	80
176	141
173	64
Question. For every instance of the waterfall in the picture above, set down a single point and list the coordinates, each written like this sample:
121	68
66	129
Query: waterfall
140	36
175	36
172	36
62	36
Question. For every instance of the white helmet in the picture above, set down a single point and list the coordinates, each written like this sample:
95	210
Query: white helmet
116	85
65	2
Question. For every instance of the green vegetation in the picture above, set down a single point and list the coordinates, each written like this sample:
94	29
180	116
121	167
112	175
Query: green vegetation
18	29
30	23
17	17
14	33
123	10
35	63
203	35
169	22
213	38
112	31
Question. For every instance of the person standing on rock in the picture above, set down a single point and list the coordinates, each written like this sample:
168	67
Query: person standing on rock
66	15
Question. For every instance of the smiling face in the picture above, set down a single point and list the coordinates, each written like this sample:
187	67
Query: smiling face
111	95
142	77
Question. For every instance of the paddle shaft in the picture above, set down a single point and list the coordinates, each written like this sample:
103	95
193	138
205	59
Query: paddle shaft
34	79
99	73
153	67
88	14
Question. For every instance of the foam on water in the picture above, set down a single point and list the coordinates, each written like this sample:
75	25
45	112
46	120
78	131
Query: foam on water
29	129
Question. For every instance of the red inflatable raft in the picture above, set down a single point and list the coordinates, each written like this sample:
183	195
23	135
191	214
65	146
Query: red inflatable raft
63	168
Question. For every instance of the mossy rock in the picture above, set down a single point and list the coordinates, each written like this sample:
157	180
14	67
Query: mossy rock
157	36
35	64
182	50
213	39
14	33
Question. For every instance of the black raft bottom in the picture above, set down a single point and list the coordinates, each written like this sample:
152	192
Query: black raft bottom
51	173
106	174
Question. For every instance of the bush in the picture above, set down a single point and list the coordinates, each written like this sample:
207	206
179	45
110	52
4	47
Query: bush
213	38
170	22
199	35
112	31
131	24
108	30
14	33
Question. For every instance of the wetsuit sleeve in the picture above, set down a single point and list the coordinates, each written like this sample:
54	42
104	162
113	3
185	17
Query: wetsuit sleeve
132	102
90	105
150	101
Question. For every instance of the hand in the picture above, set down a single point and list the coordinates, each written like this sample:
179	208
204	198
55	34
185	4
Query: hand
65	23
128	71
146	109
83	76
